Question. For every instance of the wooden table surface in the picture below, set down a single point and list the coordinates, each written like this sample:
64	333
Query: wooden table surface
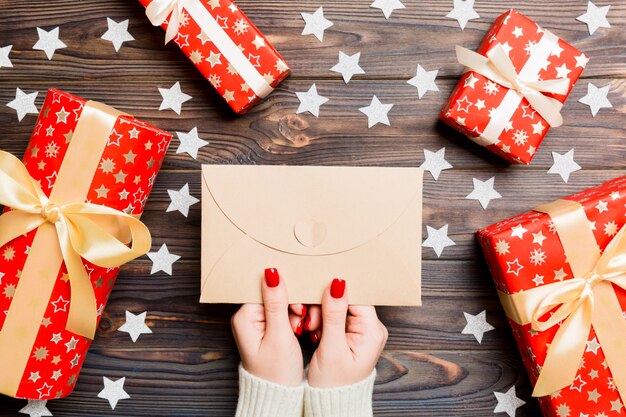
188	366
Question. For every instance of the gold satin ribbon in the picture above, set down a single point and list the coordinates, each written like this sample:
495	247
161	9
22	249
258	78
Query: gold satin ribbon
497	67
159	10
585	300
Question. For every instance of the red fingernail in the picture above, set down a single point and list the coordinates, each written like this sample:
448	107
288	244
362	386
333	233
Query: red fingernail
299	328
303	311
271	277
315	338
337	288
307	323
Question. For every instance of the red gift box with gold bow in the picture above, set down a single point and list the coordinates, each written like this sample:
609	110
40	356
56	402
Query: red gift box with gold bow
514	87
560	272
70	220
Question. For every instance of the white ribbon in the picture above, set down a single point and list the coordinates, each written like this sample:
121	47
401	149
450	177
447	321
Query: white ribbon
497	67
158	11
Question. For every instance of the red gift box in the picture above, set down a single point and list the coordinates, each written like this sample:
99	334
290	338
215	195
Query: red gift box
72	151
495	112
534	253
224	45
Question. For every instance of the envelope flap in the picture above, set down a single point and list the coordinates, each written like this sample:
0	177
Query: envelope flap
308	210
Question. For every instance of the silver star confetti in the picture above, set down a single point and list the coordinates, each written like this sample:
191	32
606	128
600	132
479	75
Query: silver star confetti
113	391
190	142
435	162
477	325
310	101
181	200
484	191
596	98
463	12
117	33
135	325
595	17
387	6
36	408
348	66
424	81
4	57
564	164
508	402
173	98
49	42
162	260
438	239
376	112
23	103
316	24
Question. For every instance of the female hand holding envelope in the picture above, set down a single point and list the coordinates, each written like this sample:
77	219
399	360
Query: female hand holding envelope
341	372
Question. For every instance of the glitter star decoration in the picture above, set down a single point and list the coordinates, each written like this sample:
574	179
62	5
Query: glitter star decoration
387	6
348	66
483	191
376	112
181	200
23	103
5	61
596	98
424	81
434	162
36	408
190	142
315	24
49	42
310	101
117	33
135	325
463	12
564	164
173	98
595	17
437	239
113	391
477	325
508	402
162	260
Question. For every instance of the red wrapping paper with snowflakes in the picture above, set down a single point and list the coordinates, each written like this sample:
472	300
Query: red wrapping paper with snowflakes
525	252
490	113
124	172
225	46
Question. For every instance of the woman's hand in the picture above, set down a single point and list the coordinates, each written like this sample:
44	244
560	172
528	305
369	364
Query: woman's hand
266	334
352	340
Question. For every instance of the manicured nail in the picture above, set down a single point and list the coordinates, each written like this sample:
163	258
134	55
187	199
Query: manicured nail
271	277
307	323
299	328
315	338
303	310
337	288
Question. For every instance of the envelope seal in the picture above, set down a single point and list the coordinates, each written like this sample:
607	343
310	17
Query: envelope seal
310	233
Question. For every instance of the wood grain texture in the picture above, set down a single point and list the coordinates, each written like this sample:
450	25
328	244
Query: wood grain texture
187	366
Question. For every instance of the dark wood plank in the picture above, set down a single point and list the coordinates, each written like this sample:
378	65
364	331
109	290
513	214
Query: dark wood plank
419	34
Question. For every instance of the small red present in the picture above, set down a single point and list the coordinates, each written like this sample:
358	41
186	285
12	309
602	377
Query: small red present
71	211
560	272
514	87
224	45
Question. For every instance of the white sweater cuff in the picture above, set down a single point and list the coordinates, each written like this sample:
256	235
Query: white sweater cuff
348	401
261	398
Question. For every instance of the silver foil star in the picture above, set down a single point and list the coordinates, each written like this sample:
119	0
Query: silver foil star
113	391
424	81
376	112
564	164
508	402
117	33
181	200
23	103
5	61
387	6
36	408
435	162
162	260
316	24
463	12
49	42
173	98
595	17
135	325
190	142
348	66
477	325
438	239
310	101
484	191
596	98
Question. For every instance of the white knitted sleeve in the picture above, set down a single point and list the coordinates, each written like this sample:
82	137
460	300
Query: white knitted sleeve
348	401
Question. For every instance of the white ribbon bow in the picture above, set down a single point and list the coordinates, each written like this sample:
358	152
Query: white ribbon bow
497	67
158	11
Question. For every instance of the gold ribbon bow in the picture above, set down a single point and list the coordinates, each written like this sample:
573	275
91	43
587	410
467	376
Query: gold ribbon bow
158	11
96	233
586	300
497	67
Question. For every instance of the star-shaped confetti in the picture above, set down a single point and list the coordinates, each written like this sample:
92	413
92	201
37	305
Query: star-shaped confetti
135	325
181	200
117	33
564	164
36	408
173	98
435	162
463	12
596	98
508	402
49	42
316	24
162	260
5	61
376	112
483	191
595	17
438	239
387	6
424	81
23	103
113	391
477	325
310	101
348	66
190	142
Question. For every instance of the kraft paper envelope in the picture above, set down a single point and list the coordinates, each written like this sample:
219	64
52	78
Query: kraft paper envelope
313	224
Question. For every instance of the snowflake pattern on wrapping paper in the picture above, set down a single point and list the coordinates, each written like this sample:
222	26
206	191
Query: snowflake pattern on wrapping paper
525	252
123	180
521	137
197	45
